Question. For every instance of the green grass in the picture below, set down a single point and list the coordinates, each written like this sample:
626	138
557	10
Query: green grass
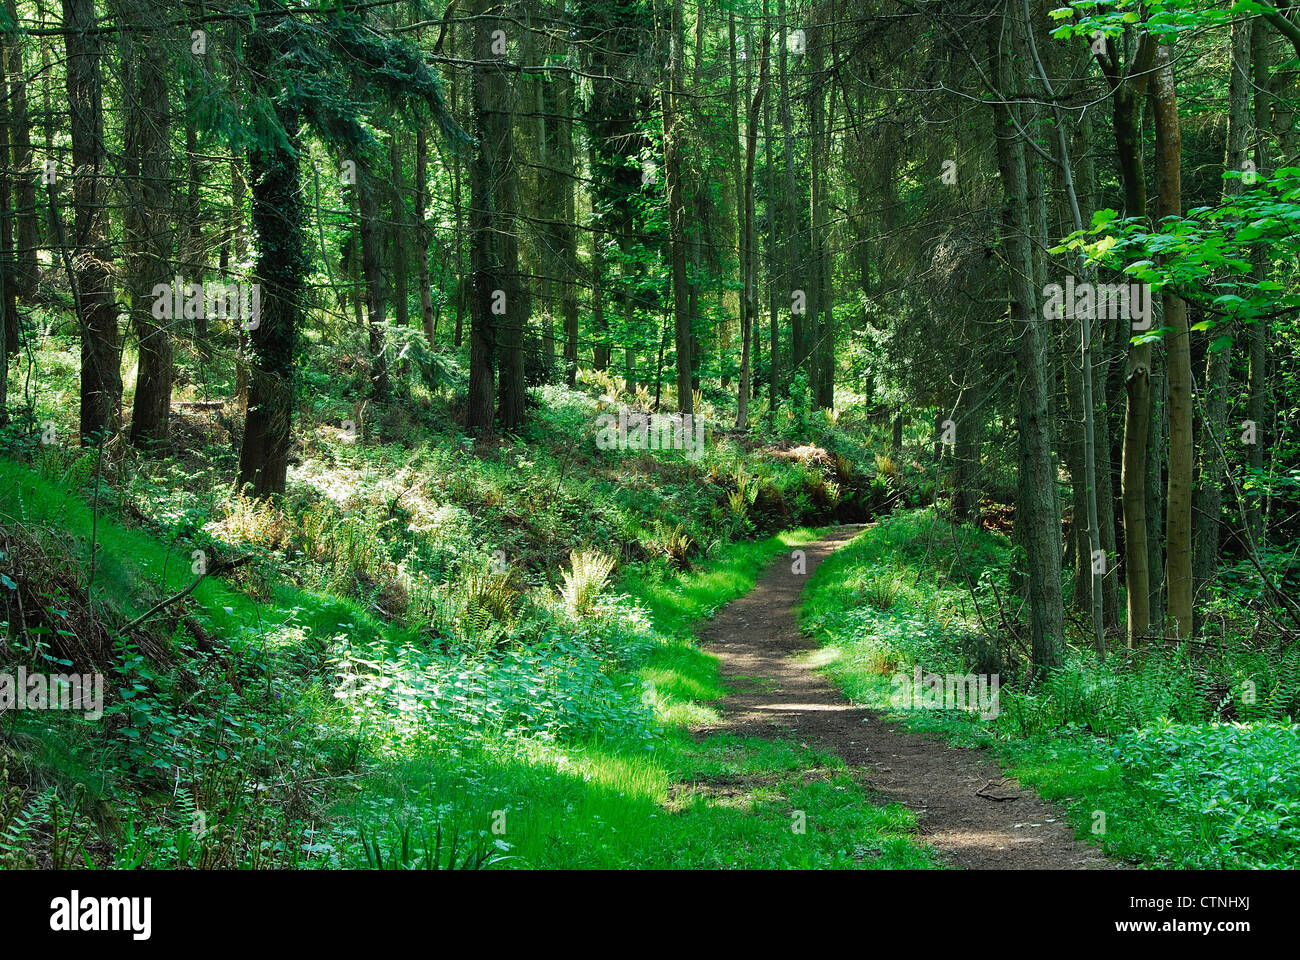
1131	747
721	802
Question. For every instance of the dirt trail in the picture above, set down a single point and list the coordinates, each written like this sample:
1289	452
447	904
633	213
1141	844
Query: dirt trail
757	639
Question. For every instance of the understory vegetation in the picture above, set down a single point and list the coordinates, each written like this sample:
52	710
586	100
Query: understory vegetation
400	666
1174	755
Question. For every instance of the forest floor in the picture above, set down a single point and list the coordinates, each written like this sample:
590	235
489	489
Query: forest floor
967	809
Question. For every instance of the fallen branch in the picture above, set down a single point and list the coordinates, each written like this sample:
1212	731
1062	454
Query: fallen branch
163	604
989	796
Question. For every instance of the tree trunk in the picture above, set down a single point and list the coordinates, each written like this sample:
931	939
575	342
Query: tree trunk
749	297
147	228
1257	336
101	375
1127	101
673	134
1178	553
422	232
398	228
371	229
1037	516
569	242
794	259
27	234
279	219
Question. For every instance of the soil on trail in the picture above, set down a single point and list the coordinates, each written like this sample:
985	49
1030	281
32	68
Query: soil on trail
950	789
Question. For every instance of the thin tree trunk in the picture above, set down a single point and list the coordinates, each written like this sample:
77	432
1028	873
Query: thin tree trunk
1257	336
27	215
398	228
371	230
749	305
422	232
673	134
1178	554
1037	516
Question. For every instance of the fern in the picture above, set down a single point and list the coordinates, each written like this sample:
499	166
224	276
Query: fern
583	583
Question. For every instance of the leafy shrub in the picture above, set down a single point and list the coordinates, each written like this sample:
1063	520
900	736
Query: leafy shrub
1236	784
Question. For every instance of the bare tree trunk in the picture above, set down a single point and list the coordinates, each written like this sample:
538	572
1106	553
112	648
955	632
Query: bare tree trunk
568	233
8	262
398	229
1178	556
677	210
1127	96
823	125
1037	514
422	231
1257	337
148	222
774	329
27	215
372	231
500	301
101	375
793	255
749	257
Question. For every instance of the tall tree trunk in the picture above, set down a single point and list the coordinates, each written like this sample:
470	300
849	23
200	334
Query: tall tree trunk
422	232
483	265
500	299
398	233
371	229
673	135
823	126
279	223
1178	554
1127	97
568	233
101	375
748	252
774	328
462	275
27	214
513	324
1257	335
794	259
148	224
1037	512
8	260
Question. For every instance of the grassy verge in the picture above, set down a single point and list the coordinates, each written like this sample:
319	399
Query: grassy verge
1170	757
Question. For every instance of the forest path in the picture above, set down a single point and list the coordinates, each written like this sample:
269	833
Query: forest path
774	694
